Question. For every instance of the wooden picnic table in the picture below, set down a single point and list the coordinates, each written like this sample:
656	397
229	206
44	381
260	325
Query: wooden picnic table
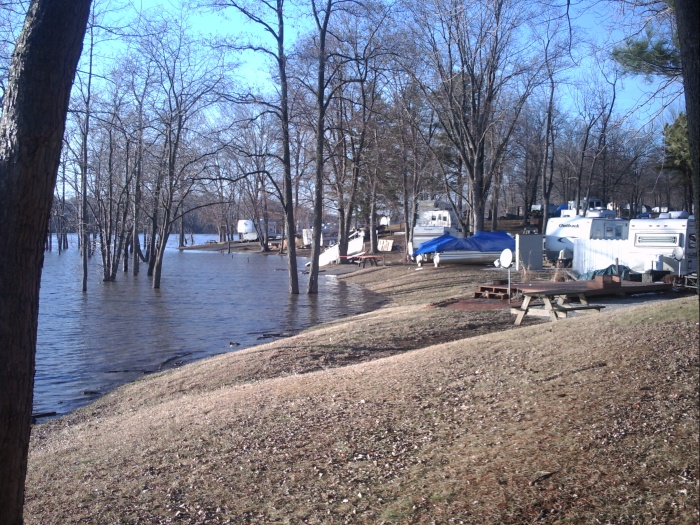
348	258
373	260
556	302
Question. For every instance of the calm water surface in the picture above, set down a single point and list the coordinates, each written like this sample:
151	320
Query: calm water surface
89	344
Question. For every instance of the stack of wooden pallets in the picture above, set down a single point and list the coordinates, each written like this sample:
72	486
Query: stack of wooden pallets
494	291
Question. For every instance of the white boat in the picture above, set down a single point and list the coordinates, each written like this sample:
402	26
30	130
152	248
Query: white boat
464	257
434	220
356	246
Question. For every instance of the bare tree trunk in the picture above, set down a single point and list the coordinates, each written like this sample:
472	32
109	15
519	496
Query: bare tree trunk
409	214
159	251
579	175
136	244
288	200
373	241
687	15
322	23
547	183
125	267
152	247
83	170
495	196
31	132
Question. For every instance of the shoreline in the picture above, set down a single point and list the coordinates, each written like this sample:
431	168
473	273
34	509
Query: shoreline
82	383
403	405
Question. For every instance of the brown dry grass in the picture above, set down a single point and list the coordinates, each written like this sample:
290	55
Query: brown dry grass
370	420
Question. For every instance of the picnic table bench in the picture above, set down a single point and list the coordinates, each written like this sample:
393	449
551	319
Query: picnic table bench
373	260
350	258
361	259
555	304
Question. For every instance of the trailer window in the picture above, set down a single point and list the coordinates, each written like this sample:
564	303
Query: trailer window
613	231
655	240
691	242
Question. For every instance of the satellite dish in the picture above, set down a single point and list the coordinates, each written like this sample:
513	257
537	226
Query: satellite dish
678	253
506	258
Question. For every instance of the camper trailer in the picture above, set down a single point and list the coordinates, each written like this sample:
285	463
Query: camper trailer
656	245
246	230
665	244
561	232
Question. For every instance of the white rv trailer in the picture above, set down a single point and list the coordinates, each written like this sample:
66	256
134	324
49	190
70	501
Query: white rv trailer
652	242
562	231
246	230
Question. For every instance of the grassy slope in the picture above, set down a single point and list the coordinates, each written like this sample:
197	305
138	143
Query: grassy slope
589	419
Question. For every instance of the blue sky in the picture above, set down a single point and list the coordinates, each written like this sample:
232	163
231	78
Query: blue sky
604	25
599	23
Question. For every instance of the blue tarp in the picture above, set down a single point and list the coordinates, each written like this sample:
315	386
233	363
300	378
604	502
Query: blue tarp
480	242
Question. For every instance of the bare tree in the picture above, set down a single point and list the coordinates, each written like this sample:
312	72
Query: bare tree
270	16
554	50
358	85
414	126
140	81
322	11
115	163
12	14
476	73
189	83
31	130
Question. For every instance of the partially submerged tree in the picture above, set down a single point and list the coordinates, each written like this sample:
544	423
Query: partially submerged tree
270	16
322	11
190	83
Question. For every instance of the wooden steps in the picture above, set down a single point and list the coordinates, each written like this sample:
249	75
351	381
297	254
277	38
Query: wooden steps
496	291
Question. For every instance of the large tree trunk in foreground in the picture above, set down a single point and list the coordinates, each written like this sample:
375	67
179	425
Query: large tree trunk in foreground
31	130
688	16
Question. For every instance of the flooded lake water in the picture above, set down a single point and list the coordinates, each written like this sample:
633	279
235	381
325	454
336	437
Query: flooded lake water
89	344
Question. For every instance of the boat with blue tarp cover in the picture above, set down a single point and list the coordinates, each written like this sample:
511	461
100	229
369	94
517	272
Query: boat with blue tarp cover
481	248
